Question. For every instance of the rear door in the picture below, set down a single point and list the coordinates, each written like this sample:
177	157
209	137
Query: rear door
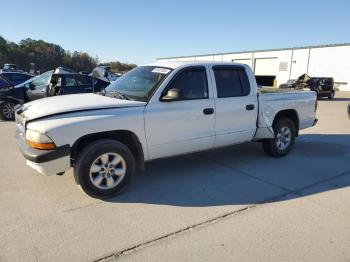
236	105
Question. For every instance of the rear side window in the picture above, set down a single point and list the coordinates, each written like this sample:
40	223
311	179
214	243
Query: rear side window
15	77
4	84
231	82
76	80
192	84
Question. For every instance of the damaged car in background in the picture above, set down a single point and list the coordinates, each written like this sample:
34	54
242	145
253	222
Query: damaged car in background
323	86
56	82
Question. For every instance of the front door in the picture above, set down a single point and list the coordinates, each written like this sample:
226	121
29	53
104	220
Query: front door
185	125
38	87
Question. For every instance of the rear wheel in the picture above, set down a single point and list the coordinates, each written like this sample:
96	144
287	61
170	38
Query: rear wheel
7	111
104	168
282	143
331	95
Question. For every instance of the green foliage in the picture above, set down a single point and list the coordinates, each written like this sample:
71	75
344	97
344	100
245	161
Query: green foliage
117	67
47	56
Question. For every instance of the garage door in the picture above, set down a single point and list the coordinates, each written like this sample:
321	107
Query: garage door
266	66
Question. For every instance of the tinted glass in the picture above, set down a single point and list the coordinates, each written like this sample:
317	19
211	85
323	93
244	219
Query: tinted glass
191	83
76	80
231	82
4	84
16	77
70	81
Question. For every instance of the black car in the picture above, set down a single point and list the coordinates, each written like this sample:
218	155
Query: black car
16	78
323	86
5	83
51	83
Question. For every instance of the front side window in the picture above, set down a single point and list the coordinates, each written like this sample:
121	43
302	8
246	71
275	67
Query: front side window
231	82
191	83
42	80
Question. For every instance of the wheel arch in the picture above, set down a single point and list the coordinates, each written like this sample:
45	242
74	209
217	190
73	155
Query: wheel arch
291	114
11	99
126	137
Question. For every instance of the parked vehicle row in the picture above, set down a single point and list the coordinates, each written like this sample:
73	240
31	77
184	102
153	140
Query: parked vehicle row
155	111
52	83
323	86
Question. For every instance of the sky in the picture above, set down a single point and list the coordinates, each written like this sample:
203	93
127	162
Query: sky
141	31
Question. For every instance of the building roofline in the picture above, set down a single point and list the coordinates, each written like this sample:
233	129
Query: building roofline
261	50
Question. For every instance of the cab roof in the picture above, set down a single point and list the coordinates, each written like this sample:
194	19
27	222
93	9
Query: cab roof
176	64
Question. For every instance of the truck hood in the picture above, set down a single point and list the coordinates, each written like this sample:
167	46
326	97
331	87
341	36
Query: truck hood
71	103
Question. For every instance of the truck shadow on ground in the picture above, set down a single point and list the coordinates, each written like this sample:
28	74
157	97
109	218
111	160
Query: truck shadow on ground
243	174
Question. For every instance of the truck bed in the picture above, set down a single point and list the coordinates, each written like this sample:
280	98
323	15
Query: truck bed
267	90
272	100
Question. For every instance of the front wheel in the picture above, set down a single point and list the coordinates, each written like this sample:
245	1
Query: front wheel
7	110
283	141
104	168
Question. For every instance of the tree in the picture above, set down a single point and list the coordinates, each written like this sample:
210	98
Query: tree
48	56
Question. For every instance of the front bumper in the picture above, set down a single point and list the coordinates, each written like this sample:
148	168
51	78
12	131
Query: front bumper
47	162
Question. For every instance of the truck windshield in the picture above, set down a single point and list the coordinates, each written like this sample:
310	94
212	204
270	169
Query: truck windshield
139	83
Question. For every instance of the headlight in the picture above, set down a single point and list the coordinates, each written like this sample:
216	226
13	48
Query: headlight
39	140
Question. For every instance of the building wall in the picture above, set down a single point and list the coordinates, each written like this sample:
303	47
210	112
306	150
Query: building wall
333	62
299	63
291	63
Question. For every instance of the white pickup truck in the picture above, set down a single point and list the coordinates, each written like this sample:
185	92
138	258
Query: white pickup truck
155	111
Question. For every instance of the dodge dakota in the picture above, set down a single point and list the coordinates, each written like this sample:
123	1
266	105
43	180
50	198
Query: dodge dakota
155	111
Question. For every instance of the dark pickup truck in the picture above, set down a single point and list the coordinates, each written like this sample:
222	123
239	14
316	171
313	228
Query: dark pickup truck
323	86
51	83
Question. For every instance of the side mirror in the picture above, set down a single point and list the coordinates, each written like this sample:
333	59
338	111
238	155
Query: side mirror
31	86
173	94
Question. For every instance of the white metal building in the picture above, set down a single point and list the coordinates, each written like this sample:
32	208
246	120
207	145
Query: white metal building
276	66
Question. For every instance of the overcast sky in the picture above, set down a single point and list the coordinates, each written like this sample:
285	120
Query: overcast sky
140	31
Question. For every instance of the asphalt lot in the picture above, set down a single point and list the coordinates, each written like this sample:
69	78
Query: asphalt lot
231	204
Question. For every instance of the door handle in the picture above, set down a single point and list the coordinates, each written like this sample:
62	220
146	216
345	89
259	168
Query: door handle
250	107
208	111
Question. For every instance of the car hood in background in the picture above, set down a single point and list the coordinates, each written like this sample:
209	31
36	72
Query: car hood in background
71	103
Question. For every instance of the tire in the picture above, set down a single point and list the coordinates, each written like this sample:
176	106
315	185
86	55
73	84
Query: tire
95	169
331	95
281	144
7	112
